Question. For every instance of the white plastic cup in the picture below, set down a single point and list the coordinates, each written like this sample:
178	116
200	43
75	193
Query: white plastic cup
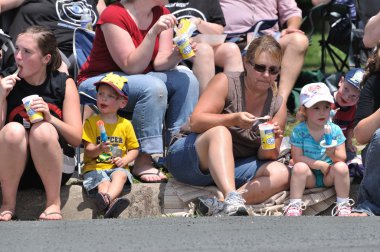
184	46
33	115
267	136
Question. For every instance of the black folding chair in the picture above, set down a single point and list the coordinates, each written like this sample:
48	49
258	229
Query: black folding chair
242	37
338	36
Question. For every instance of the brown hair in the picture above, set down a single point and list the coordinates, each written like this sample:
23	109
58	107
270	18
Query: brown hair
266	44
47	43
373	64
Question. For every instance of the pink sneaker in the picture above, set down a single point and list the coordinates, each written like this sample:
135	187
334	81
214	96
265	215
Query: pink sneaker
343	208
294	209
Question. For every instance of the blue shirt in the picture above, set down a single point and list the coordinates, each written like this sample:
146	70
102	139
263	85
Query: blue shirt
302	139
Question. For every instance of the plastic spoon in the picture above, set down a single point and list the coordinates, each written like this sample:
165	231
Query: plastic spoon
267	117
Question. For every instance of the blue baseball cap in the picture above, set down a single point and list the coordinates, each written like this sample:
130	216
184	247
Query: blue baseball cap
354	77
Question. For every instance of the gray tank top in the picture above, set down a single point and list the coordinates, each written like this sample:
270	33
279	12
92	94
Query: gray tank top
246	142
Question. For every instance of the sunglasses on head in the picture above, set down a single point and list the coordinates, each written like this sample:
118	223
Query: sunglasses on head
273	70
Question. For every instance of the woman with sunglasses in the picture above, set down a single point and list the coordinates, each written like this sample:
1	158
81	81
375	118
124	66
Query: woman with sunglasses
223	147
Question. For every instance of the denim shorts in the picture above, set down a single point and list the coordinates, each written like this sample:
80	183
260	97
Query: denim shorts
92	179
183	164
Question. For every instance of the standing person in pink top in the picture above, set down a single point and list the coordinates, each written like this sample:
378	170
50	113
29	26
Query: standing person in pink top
241	15
134	39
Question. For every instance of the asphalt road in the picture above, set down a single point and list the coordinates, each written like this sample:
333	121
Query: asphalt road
195	234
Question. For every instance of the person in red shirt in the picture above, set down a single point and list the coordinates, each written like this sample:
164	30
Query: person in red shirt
134	39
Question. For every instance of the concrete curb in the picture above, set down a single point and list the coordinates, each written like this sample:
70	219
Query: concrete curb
146	200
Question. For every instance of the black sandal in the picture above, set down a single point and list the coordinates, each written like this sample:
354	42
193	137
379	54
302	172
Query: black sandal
117	206
102	200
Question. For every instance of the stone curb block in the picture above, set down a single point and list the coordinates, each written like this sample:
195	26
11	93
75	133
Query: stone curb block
146	200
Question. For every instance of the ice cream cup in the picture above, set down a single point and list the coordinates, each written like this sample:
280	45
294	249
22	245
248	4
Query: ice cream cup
267	136
33	115
184	46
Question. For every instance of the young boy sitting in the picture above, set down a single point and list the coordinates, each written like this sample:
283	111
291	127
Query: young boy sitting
110	144
346	99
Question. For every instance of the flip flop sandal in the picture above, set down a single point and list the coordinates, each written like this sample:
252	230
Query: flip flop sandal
48	214
116	208
162	180
102	200
8	212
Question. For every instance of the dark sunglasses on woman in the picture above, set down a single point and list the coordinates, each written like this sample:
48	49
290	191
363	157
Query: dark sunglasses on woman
272	70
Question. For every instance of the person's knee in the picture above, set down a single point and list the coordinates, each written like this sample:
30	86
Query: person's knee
43	133
219	133
300	169
120	175
204	53
340	168
298	41
282	175
155	89
231	50
13	134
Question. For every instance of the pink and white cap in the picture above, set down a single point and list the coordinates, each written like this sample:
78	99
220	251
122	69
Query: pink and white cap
315	92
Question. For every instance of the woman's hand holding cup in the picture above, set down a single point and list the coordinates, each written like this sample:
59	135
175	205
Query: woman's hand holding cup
33	110
39	105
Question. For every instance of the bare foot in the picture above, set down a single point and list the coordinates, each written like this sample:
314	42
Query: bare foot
359	214
143	169
52	212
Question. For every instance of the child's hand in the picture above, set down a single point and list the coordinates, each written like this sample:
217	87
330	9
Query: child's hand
330	151
105	147
323	166
119	161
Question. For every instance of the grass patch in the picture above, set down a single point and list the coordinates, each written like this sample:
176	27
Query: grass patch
314	53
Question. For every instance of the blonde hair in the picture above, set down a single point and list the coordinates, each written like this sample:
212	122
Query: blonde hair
268	45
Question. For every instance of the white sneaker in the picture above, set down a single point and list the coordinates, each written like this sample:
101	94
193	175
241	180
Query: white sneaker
343	208
294	209
209	206
234	205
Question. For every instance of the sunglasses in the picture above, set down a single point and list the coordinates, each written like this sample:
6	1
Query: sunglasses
272	70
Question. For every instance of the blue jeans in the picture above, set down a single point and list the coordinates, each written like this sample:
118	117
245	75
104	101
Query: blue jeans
369	190
92	179
149	97
183	163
